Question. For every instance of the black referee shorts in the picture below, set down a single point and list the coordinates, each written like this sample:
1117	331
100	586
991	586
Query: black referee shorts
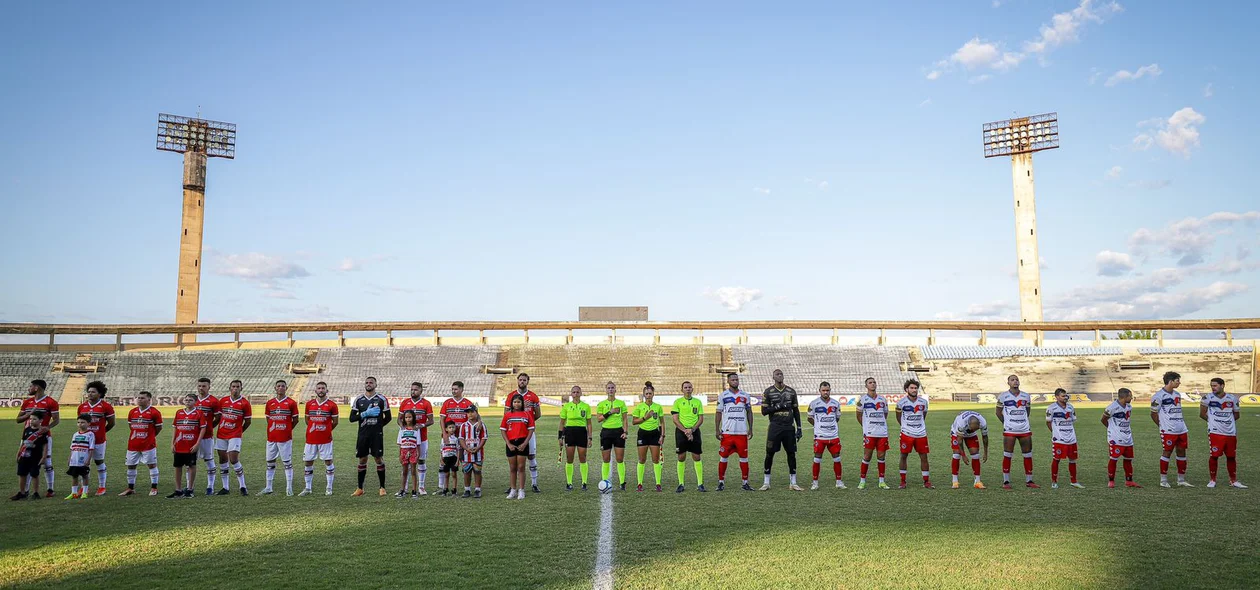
610	438
781	436
649	438
370	443
682	445
576	437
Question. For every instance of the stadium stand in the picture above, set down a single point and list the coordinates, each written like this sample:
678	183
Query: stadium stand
845	367
17	369
993	352
170	374
1193	350
554	370
344	369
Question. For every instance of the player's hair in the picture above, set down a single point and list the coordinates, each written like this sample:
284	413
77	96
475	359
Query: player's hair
1218	381
101	389
686	383
84	417
1060	390
1123	392
279	381
868	379
515	398
908	383
1171	376
823	384
448	424
647	386
525	375
418	384
321	383
408	413
735	375
145	394
203	380
370	377
473	409
459	384
236	382
40	383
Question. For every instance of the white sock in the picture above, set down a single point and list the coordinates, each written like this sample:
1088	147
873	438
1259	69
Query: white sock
329	473
308	475
792	478
100	475
424	474
211	471
288	476
131	476
271	473
223	475
533	471
153	476
767	479
240	473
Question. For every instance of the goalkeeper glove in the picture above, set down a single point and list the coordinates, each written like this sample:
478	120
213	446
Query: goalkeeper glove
372	412
798	434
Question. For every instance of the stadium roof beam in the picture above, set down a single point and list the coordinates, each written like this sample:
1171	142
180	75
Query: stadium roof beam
1019	138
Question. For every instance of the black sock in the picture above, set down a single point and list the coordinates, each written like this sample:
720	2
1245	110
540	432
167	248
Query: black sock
769	461
380	474
791	456
362	474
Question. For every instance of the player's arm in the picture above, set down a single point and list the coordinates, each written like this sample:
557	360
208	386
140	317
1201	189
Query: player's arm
985	456
428	418
1001	416
677	423
109	423
590	429
1049	421
1155	416
1203	412
717	421
503	432
157	428
635	418
354	412
386	415
748	412
898	415
796	412
602	416
245	422
625	424
294	419
1106	419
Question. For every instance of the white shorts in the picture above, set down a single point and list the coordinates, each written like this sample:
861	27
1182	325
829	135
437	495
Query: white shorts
281	450
533	443
423	450
231	445
205	449
324	452
98	451
148	457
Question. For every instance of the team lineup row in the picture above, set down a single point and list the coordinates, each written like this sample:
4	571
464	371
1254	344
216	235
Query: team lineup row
209	428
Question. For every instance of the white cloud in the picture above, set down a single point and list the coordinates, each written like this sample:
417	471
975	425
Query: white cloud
733	298
1151	185
255	266
1113	264
1115	172
1188	240
824	185
279	294
993	308
979	79
946	315
926	102
1178	134
764	191
1094	75
1063	28
1152	71
784	301
349	264
1207	91
1154	305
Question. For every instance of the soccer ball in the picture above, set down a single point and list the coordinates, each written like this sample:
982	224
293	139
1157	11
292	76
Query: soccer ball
605	486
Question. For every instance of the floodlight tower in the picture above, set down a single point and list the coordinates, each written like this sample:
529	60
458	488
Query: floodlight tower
197	139
1019	138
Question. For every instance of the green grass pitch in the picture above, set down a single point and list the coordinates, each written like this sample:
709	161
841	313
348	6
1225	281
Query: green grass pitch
1065	538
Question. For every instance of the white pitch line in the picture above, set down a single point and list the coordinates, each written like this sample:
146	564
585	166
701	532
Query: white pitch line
603	578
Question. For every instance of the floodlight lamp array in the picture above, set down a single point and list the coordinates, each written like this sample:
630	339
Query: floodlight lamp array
1022	135
190	134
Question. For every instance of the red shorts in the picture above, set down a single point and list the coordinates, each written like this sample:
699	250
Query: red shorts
973	444
1223	444
408	456
1065	451
912	444
1175	441
1017	434
1118	451
878	443
830	445
733	444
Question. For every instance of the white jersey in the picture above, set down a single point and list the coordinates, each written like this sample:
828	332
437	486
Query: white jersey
1220	413
913	416
1015	409
826	415
874	412
81	445
1168	405
1118	430
735	407
1062	423
959	428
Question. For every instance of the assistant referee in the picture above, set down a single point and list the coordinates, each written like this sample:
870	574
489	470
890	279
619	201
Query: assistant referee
575	431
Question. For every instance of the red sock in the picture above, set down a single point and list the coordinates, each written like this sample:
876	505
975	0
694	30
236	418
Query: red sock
881	470
1231	465
743	469
1212	468
1181	466
903	478
953	465
1111	470
1128	469
816	466
1028	465
1006	464
1163	466
721	470
836	465
975	467
865	466
1072	470
1054	470
925	478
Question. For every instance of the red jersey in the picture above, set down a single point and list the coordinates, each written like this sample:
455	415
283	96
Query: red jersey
232	415
144	425
282	416
531	400
43	408
423	409
209	407
319	417
97	413
456	410
517	424
188	427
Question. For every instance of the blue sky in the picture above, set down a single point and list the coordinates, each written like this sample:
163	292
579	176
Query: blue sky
709	160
